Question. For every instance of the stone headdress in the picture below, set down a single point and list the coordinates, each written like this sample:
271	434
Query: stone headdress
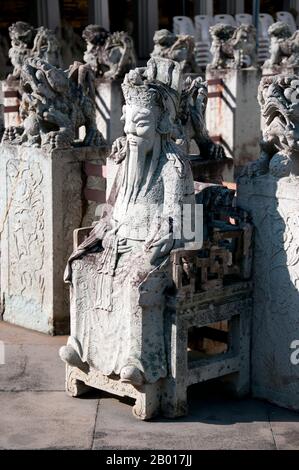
159	84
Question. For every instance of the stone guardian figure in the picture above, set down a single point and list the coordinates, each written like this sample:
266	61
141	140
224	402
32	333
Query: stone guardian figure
120	274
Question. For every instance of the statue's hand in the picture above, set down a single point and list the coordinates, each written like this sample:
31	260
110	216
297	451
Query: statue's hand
160	248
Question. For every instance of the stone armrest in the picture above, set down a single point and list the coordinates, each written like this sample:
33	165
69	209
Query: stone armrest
79	235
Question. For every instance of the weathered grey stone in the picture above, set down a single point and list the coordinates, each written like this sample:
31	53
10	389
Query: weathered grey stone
233	117
55	104
137	286
284	50
179	48
40	206
278	98
273	205
26	41
233	47
192	127
111	55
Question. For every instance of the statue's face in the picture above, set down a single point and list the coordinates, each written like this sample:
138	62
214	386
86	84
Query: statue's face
141	126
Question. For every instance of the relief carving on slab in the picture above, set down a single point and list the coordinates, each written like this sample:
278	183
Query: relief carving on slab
120	273
110	55
26	227
233	48
55	104
26	41
284	47
278	98
179	48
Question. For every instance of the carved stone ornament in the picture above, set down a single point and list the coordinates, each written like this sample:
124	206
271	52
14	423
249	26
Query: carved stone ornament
233	47
175	47
120	274
192	121
54	105
111	55
278	98
284	47
26	41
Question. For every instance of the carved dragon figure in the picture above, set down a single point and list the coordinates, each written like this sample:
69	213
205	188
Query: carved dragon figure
54	105
233	47
179	48
27	41
22	37
192	117
284	47
279	101
109	55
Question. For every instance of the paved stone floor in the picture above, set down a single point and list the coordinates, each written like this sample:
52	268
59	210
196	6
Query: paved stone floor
35	413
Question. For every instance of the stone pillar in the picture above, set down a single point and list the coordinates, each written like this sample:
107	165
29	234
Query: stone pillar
148	23
274	207
48	14
240	6
279	70
41	204
99	13
11	101
233	115
109	103
204	7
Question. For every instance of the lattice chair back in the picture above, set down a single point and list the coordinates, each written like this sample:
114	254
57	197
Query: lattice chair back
288	18
183	25
243	18
202	27
225	19
265	21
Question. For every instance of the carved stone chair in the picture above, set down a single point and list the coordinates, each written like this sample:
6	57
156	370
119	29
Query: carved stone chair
207	320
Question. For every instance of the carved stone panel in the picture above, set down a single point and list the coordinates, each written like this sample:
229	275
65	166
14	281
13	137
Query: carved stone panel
273	204
41	204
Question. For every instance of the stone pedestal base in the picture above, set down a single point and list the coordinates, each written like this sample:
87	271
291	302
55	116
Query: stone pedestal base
109	103
233	115
41	204
279	70
274	207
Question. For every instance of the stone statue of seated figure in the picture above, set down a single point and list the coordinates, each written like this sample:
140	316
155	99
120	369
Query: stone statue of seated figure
119	274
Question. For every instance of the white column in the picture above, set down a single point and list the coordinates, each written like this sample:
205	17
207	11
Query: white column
148	23
48	13
294	4
204	7
230	7
239	6
99	13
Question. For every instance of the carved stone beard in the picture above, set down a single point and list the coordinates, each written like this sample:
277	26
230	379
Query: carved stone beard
139	167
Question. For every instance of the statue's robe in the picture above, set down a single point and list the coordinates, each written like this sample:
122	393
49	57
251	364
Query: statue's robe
118	300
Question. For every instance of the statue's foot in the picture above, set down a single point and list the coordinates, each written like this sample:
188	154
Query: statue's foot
72	358
131	375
